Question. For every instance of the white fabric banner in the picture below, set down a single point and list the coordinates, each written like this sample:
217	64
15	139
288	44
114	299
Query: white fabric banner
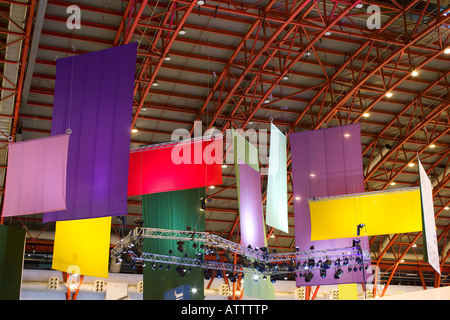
277	201
430	246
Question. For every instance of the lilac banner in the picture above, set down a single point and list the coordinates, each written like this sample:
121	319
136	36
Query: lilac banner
93	99
250	207
325	162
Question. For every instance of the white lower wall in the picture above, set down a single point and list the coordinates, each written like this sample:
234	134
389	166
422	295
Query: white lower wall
35	286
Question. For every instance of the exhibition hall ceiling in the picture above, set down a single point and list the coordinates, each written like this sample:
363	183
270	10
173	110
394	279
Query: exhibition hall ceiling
301	65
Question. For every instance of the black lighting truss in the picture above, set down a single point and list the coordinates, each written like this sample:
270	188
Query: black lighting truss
252	260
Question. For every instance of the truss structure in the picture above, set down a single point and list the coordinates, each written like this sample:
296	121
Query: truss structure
253	260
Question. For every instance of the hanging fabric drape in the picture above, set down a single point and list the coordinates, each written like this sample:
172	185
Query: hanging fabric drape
93	102
174	210
82	246
194	163
325	162
36	177
277	201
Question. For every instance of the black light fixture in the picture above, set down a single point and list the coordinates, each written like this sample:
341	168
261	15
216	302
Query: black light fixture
311	263
323	273
345	261
181	271
338	273
180	246
326	264
206	274
273	279
309	276
337	263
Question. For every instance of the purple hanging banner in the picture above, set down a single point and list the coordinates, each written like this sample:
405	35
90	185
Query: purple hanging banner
326	162
93	101
250	207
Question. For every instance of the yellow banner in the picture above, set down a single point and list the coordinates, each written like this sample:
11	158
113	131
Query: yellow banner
82	246
386	212
348	291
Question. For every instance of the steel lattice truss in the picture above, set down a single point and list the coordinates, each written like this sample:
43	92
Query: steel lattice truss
316	63
266	262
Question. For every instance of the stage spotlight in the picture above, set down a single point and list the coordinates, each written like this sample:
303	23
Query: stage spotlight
219	274
309	276
194	246
153	266
337	263
232	277
345	261
160	267
323	273
356	242
180	246
255	278
181	271
338	273
326	264
311	263
206	274
273	279
168	268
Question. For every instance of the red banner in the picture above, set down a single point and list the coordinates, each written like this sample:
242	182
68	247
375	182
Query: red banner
175	166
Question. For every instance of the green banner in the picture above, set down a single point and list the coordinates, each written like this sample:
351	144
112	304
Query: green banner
12	247
174	210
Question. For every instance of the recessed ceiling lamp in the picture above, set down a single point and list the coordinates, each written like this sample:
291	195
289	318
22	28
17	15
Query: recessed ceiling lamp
414	73
182	31
201	2
447	50
389	94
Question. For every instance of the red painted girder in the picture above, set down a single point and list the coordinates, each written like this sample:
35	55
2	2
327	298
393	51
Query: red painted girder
166	50
431	115
440	20
254	59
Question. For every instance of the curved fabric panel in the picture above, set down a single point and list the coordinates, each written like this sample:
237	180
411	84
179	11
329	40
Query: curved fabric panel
94	99
82	245
175	166
326	162
36	176
430	247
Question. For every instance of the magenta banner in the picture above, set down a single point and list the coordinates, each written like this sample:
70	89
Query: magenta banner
326	162
250	207
93	101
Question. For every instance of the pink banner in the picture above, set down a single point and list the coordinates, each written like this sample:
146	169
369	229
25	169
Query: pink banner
36	176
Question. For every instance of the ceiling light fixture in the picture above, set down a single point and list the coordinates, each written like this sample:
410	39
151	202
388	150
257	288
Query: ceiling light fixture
414	73
201	2
432	146
134	130
389	94
446	208
286	77
155	83
359	6
182	31
392	183
410	164
328	33
366	114
168	58
447	50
